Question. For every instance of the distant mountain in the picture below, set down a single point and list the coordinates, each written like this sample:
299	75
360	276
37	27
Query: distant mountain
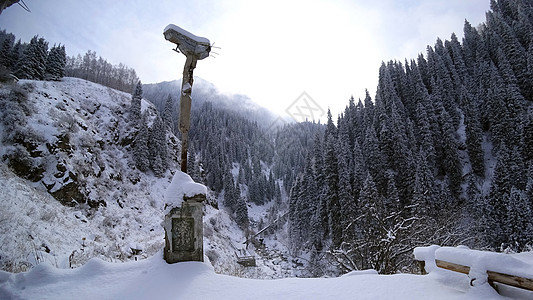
204	91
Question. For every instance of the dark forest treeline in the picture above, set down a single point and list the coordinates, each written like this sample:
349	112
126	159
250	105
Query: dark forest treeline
231	154
98	70
30	60
444	154
34	60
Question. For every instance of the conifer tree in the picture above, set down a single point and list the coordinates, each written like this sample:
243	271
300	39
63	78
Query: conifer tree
135	108
167	113
5	53
474	135
241	214
55	63
158	148
32	63
140	147
331	172
371	208
14	56
230	201
192	166
528	139
518	222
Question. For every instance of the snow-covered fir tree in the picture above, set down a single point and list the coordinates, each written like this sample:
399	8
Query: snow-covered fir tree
55	63
428	142
135	108
32	63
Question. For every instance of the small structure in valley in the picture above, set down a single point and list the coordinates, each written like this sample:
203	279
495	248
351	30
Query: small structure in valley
183	223
194	48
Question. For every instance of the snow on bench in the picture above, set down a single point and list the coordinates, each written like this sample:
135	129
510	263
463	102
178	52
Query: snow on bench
480	266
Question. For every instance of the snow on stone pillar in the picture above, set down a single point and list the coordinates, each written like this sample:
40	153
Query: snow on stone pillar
183	223
194	48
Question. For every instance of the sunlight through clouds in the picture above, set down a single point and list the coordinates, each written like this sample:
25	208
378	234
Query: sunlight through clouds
270	51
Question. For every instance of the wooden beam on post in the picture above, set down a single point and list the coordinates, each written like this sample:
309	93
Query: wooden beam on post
185	108
194	48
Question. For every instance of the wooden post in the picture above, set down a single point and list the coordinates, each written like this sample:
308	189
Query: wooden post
422	266
185	107
194	48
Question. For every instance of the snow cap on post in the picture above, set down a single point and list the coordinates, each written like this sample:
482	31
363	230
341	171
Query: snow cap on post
181	187
188	43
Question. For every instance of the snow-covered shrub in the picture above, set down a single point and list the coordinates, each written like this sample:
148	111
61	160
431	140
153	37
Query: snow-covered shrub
22	164
14	266
14	109
67	122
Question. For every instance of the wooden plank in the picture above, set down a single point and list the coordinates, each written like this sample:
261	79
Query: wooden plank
516	281
452	267
422	266
248	261
519	282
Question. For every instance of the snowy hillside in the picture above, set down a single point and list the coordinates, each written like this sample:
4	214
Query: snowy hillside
70	191
77	138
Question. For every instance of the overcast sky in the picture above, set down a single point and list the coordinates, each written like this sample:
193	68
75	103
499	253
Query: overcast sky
272	51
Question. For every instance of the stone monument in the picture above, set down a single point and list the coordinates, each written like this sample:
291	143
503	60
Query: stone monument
184	198
183	223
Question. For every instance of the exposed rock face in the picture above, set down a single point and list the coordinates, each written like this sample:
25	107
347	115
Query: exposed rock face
69	194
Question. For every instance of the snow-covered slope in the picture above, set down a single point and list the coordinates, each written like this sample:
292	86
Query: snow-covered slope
76	194
77	146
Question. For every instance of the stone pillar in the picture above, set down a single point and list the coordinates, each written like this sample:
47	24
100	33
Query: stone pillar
184	231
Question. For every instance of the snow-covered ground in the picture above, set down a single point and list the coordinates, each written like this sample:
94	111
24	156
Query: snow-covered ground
153	278
35	227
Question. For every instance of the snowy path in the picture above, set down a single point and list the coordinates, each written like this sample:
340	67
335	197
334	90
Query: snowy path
153	278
